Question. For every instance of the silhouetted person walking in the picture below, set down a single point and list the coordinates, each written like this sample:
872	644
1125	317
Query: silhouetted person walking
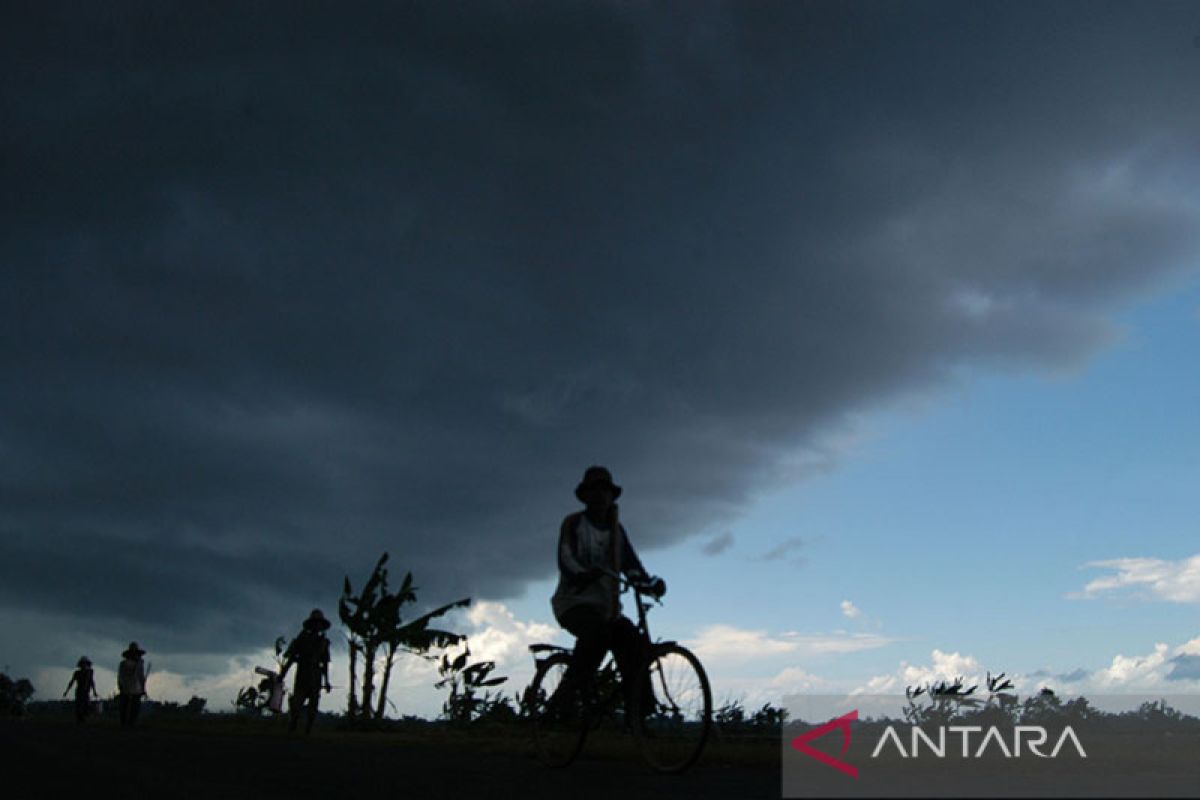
592	547
309	651
131	684
85	688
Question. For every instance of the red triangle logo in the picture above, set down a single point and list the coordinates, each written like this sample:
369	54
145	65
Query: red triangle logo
841	723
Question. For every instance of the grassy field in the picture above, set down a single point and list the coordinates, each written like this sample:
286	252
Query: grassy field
225	756
723	747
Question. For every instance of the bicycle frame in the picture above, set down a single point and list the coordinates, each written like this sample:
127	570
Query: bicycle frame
668	740
643	627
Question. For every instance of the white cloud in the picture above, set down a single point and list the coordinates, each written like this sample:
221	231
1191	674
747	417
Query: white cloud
218	689
1190	648
497	635
1123	675
1134	672
494	633
1157	579
731	644
838	643
1155	671
850	610
737	644
791	680
880	684
944	667
753	692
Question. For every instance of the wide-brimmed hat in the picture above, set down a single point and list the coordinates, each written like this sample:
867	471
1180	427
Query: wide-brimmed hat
596	476
133	651
84	661
316	621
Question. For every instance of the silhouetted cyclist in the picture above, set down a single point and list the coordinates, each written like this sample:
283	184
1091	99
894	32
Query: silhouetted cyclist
309	651
587	600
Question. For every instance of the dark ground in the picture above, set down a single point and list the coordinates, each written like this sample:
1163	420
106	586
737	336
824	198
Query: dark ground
166	760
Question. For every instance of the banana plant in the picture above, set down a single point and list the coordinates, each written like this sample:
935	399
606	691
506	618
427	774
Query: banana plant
374	621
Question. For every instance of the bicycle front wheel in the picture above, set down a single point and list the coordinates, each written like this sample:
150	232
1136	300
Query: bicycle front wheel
672	709
559	727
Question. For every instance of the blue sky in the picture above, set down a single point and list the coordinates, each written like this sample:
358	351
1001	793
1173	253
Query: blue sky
963	519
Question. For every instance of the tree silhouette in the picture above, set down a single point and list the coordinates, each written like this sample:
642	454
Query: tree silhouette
14	695
374	622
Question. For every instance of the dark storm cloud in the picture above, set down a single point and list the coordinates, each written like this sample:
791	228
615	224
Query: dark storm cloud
1074	676
718	544
1184	668
786	550
284	288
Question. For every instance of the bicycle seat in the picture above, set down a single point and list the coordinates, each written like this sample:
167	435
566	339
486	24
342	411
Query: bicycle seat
547	648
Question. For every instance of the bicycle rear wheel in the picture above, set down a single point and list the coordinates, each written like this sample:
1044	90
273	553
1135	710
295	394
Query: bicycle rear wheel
673	709
559	729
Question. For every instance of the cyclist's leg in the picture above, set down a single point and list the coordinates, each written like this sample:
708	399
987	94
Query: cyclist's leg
629	649
592	640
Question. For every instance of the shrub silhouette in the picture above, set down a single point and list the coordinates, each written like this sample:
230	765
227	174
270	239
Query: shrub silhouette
255	699
193	707
945	702
732	717
14	695
465	681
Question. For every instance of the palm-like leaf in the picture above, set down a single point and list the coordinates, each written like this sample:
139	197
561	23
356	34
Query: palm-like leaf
418	636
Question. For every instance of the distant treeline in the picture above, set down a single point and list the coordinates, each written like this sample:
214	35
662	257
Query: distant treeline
108	708
1044	710
14	695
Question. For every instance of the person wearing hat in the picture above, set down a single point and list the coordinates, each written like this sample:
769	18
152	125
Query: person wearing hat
593	546
309	651
85	688
131	684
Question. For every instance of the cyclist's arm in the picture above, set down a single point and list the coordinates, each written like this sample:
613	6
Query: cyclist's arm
631	565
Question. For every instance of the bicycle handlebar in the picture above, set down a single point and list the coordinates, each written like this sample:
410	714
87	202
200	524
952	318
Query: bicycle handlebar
641	587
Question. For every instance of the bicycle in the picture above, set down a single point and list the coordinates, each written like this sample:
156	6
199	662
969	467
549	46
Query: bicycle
672	714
